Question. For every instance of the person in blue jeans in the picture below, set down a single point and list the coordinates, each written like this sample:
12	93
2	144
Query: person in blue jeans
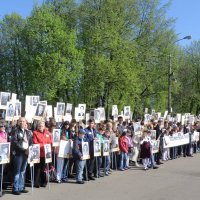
20	142
78	156
123	146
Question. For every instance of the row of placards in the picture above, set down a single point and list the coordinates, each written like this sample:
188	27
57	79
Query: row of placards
180	139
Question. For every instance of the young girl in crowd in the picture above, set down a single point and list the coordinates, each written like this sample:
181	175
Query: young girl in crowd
145	150
123	146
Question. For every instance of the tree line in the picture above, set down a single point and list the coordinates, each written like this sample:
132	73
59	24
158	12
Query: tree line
99	52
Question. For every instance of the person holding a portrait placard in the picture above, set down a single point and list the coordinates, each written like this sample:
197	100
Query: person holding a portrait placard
41	136
77	152
62	166
90	136
3	139
20	142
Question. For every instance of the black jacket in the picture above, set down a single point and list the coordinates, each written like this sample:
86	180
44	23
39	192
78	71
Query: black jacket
17	139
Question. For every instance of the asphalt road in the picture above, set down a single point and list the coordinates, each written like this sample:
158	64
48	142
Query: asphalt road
174	180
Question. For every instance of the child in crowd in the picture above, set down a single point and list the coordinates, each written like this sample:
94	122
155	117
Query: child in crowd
123	146
78	156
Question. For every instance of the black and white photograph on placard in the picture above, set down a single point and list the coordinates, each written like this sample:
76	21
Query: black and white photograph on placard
4	153
97	148
40	110
102	114
60	109
92	113
127	112
34	100
81	110
56	137
17	109
69	108
85	150
106	148
10	110
137	126
115	144
48	153
97	115
36	153
115	112
4	97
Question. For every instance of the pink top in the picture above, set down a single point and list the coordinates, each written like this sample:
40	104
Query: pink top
3	137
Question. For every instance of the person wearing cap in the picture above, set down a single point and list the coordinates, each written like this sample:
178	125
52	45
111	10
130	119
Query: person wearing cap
91	136
123	146
77	153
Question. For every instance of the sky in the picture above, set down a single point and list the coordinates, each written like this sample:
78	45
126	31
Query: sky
186	13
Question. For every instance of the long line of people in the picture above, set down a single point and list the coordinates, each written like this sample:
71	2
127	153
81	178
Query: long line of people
133	148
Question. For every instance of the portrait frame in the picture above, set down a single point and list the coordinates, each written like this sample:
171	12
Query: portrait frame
97	148
60	109
48	153
64	149
34	100
69	108
97	115
4	155
106	148
127	112
56	137
10	111
81	111
85	150
4	98
18	111
40	111
115	147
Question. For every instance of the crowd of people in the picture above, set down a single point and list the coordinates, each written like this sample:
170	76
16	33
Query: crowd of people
133	149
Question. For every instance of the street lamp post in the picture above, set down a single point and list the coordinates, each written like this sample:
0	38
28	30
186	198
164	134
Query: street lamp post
170	73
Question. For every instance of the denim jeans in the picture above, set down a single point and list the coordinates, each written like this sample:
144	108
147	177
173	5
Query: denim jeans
123	160
19	163
62	165
107	163
80	164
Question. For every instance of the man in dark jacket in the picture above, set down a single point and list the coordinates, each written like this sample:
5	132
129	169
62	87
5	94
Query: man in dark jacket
90	135
78	156
20	142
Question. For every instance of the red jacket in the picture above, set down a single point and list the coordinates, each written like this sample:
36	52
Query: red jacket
123	144
42	138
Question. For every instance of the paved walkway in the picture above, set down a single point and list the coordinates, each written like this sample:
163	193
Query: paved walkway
174	180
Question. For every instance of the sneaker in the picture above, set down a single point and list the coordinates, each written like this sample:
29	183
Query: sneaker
80	182
107	173
16	192
121	169
59	181
91	178
24	191
136	164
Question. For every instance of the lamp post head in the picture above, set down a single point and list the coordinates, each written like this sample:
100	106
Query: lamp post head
188	37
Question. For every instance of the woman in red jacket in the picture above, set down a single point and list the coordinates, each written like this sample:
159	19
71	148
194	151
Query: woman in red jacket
41	136
123	146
